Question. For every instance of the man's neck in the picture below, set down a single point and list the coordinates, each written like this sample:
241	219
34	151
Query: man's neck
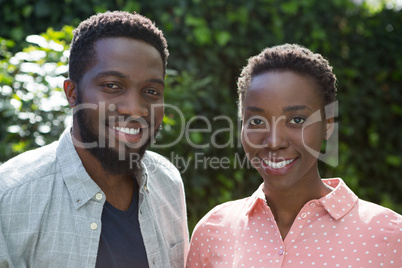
118	188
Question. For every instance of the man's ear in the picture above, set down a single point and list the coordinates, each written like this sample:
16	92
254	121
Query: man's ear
329	127
70	89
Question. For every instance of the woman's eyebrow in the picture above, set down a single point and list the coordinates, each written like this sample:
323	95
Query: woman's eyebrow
254	109
156	80
295	108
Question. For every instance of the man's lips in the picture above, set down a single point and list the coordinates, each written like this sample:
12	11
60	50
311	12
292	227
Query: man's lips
130	135
127	130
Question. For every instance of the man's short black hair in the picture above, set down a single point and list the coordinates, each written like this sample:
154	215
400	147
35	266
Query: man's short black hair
289	57
109	25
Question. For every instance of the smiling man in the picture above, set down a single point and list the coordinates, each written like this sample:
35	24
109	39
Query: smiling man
97	197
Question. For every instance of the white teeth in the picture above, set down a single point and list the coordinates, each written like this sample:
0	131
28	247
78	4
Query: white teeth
126	130
277	165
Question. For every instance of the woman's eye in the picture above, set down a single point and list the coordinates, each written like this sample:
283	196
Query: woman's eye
297	120
256	122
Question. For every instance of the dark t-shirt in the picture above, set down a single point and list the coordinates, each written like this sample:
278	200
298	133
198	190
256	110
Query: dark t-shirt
121	244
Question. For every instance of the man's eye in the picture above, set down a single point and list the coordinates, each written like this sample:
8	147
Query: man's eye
297	120
256	122
111	86
152	92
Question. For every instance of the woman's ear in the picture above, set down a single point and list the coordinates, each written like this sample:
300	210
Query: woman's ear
329	127
70	89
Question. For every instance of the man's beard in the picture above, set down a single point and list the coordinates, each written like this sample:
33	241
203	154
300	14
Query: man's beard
110	159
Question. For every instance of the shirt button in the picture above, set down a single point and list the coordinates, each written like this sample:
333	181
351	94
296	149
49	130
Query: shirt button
312	205
281	252
98	196
303	215
94	226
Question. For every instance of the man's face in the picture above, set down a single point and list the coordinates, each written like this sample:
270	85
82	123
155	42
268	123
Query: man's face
121	102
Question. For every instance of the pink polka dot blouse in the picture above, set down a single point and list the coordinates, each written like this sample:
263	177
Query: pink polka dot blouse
337	230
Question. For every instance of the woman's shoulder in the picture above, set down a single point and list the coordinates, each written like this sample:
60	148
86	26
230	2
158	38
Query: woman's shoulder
226	214
369	211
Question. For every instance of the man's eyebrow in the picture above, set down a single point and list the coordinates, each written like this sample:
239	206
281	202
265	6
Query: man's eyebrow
112	73
122	75
295	108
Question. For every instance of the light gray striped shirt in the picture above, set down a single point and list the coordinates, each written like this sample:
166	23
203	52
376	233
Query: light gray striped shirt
50	210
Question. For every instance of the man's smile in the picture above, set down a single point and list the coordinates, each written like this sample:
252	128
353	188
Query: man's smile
126	130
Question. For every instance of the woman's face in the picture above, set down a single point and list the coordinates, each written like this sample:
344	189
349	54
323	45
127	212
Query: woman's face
282	128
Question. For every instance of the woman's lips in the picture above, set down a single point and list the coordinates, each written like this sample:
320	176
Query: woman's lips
279	167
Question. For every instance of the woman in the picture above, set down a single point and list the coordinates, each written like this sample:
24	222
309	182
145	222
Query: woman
295	218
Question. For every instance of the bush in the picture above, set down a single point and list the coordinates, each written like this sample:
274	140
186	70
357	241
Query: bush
209	43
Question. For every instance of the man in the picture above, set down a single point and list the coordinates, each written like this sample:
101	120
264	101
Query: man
97	198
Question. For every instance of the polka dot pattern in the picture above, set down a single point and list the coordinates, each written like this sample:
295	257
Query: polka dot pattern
338	230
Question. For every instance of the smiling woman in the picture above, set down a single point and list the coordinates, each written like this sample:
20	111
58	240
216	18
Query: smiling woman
295	218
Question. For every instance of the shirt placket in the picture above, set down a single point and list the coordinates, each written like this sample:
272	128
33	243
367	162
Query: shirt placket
147	224
279	252
294	234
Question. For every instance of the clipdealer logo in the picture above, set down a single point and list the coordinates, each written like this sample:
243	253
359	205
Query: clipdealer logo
186	127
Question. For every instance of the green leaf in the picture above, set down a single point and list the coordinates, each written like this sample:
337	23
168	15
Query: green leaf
393	160
290	7
223	37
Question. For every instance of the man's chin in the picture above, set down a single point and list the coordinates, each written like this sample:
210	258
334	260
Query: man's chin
115	163
118	158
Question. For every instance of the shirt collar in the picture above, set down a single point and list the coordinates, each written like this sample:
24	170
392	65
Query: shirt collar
337	203
79	184
340	201
254	199
142	179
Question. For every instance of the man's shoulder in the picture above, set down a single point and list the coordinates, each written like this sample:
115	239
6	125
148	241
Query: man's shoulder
28	166
150	155
156	163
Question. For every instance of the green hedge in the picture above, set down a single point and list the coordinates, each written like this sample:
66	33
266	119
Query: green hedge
209	42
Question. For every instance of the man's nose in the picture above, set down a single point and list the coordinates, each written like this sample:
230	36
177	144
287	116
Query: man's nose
133	105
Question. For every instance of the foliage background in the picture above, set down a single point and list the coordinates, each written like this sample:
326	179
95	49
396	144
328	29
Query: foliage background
209	42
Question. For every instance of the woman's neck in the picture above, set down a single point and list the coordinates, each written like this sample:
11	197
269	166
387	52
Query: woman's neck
286	204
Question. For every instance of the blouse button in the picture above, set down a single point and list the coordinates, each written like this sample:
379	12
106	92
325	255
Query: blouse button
312	205
280	252
303	215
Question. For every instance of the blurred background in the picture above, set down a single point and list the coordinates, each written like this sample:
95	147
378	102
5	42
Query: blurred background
209	43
